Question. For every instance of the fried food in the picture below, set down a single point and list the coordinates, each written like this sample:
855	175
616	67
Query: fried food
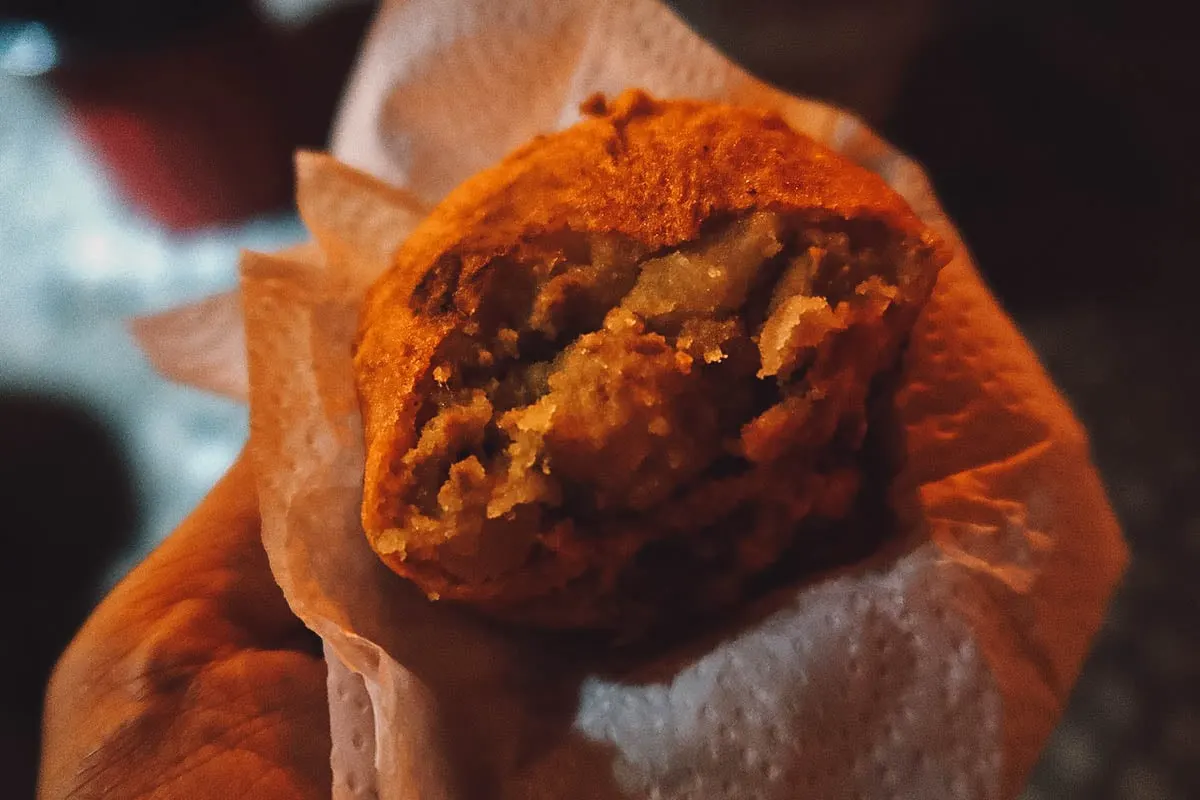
612	377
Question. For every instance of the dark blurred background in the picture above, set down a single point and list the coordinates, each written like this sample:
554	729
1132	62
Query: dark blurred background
142	143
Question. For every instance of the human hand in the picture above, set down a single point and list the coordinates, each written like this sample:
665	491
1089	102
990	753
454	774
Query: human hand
193	679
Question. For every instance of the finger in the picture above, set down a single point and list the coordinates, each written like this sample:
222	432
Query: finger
214	557
190	670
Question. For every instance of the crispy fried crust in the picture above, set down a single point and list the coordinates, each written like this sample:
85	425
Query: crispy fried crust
653	172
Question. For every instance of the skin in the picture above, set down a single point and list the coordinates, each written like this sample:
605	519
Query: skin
192	679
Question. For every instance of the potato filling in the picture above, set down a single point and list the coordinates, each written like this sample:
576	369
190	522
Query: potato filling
603	389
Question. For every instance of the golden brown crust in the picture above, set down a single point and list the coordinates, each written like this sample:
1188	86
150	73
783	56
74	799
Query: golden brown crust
653	171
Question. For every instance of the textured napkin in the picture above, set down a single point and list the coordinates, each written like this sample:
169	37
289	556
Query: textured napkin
936	669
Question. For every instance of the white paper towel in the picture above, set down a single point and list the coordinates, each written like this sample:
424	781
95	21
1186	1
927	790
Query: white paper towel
936	670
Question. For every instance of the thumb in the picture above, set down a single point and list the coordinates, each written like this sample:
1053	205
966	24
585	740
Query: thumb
205	597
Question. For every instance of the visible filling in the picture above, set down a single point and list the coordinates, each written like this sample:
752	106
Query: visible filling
603	396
